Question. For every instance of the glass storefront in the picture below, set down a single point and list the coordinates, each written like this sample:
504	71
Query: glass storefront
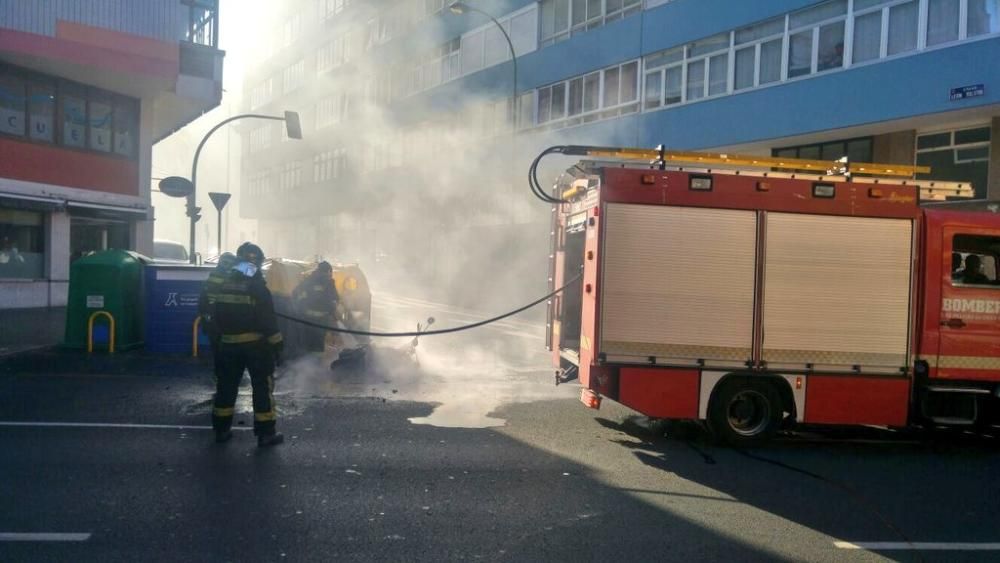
962	155
22	244
89	235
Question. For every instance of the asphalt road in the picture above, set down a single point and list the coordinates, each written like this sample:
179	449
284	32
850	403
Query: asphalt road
462	451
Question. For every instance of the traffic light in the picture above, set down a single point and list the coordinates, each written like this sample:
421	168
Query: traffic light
194	213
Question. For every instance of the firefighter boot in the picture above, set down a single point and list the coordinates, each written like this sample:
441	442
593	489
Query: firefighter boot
223	436
264	441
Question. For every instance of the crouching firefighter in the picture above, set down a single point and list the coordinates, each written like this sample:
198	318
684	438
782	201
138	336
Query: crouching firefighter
248	340
316	301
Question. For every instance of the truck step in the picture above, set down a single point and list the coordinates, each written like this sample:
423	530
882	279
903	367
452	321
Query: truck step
951	421
971	390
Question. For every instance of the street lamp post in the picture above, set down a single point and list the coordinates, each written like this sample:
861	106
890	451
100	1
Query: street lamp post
461	8
292	125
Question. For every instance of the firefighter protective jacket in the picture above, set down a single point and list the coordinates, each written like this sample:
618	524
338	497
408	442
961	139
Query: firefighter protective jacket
206	301
316	297
242	309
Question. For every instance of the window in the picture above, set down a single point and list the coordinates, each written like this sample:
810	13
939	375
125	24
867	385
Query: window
99	121
200	19
942	21
377	30
816	38
293	76
958	156
983	17
758	53
856	150
22	244
125	117
339	162
974	260
665	68
261	93
260	138
326	58
323	167
560	19
472	51
12	104
902	36
334	7
259	183
74	117
291	30
42	111
429	69
290	176
606	93
486	46
797	44
898	18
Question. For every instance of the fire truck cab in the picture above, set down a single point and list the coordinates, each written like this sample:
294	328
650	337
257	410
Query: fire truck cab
753	298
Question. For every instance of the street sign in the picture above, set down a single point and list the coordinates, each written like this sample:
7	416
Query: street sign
219	199
963	92
176	186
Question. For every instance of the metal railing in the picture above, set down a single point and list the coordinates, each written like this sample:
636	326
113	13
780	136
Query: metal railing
111	331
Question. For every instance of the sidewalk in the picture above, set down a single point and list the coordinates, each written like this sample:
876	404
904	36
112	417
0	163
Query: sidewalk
22	330
30	343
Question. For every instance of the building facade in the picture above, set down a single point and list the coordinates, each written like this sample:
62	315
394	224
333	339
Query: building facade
416	148
86	89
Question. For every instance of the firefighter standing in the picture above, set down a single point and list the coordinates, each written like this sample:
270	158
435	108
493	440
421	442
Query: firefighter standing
316	300
206	304
248	340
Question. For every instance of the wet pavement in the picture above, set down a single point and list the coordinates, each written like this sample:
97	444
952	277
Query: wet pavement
22	330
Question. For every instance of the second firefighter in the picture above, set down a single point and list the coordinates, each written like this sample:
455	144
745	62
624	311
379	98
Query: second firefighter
315	300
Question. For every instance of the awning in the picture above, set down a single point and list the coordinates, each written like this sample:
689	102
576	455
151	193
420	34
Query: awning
30	202
102	210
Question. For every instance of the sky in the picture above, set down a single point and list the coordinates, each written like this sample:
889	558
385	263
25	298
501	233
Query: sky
173	155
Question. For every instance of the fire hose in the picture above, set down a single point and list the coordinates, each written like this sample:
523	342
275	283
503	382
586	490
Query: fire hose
436	331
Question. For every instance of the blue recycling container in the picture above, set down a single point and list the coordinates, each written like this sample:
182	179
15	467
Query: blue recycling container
172	292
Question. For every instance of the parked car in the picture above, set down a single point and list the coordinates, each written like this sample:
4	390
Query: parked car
170	251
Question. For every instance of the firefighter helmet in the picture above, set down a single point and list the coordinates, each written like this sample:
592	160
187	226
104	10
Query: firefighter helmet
227	261
250	252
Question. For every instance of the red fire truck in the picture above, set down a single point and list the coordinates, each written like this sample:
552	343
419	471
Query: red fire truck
754	292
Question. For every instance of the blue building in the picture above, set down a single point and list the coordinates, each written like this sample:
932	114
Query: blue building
416	156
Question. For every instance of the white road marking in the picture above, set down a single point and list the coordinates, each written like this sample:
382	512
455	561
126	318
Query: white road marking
112	425
17	536
918	546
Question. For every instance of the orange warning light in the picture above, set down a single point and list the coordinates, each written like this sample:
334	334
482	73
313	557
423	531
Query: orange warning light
591	399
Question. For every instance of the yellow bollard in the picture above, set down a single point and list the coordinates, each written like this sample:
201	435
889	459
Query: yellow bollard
194	336
111	331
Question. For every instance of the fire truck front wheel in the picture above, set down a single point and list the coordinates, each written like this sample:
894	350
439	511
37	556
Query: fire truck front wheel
745	412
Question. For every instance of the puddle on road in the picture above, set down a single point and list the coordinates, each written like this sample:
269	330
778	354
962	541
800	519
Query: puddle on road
466	383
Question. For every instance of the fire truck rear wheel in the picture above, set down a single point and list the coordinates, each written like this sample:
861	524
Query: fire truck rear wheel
745	412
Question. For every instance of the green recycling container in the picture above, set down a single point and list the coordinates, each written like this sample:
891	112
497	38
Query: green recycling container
106	282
